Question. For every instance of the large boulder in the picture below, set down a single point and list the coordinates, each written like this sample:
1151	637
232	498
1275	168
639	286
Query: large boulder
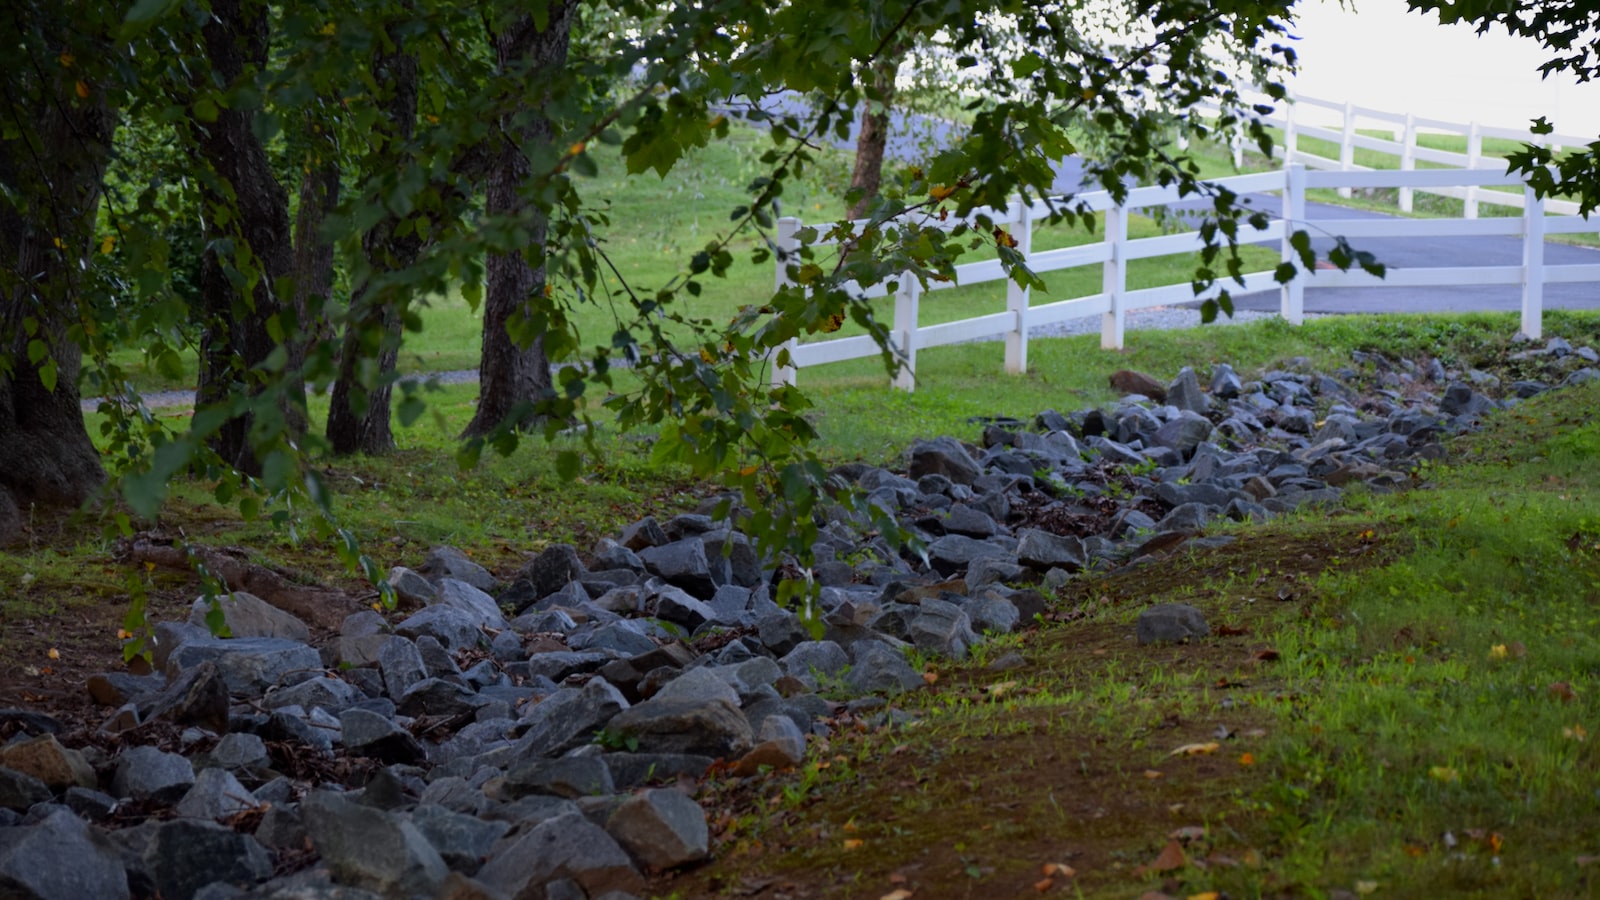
246	615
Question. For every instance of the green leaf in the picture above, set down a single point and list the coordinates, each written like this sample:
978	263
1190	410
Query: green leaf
47	375
568	465
37	350
1284	273
411	408
146	12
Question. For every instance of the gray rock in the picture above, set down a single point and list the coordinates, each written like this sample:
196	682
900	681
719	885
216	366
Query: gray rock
463	841
369	734
1130	382
675	606
991	614
411	588
215	795
556	665
437	658
246	615
401	665
942	628
662	829
1184	433
169	636
1176	622
1184	392
248	665
281	827
566	846
1224	382
332	694
147	773
1043	550
713	728
1188	517
361	634
953	553
781	631
239	752
569	777
811	659
683	564
90	804
699	685
879	668
553	569
943	456
610	554
60	858
20	791
437	697
370	848
744	565
448	562
646	532
198	696
569	718
480	606
449	625
184	855
630	770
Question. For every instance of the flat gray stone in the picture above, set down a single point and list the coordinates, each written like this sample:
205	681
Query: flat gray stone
248	665
370	848
1171	622
566	846
569	718
400	662
1043	550
216	794
662	829
463	841
452	627
369	734
943	456
60	858
472	601
245	615
147	773
713	728
448	562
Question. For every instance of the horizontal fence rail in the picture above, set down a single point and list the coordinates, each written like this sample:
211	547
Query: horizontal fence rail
1114	251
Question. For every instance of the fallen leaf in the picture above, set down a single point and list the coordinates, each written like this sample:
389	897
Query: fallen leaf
1517	649
1252	858
897	878
1232	630
1575	733
1204	895
1498	651
1044	884
1153	774
1188	833
1562	691
1062	869
1266	654
1495	842
896	894
54	653
1366	887
1001	688
1444	773
930	677
1196	749
1247	759
853	843
1171	857
1416	851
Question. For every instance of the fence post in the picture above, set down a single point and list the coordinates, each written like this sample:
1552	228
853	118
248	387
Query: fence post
1016	295
1408	159
1236	143
904	331
1292	296
1532	264
1474	156
1115	279
1290	133
1347	146
788	245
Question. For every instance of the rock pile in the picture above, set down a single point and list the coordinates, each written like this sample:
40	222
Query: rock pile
541	736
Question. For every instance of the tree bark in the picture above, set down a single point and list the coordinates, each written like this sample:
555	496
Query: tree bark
514	375
867	176
51	178
359	412
313	255
236	339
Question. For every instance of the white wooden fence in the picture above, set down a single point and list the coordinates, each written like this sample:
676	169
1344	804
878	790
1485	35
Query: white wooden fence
1114	251
1341	124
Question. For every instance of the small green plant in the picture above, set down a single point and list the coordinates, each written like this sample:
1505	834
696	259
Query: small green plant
616	741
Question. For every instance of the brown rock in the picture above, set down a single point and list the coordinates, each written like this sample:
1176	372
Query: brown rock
45	759
1128	381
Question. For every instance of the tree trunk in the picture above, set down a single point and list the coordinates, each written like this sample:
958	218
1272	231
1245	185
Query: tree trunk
50	187
867	176
313	255
359	412
236	338
514	375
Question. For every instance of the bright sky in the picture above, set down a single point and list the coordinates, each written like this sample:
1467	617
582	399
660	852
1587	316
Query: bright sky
1381	56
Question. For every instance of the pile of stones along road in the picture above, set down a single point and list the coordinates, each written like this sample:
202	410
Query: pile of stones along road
541	737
